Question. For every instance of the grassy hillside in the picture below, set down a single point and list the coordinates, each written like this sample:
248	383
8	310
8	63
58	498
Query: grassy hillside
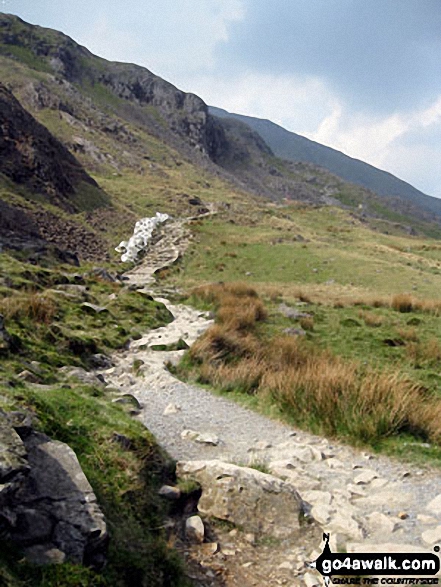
49	328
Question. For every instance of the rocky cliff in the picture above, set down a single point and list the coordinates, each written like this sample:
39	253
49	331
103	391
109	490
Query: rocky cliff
34	159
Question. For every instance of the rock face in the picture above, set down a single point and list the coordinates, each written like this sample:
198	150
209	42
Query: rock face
34	158
47	506
259	503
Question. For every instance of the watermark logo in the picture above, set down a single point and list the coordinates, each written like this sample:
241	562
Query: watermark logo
388	566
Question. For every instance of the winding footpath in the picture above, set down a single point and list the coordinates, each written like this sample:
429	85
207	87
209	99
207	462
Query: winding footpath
366	502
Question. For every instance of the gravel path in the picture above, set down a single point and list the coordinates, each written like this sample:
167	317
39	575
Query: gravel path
359	498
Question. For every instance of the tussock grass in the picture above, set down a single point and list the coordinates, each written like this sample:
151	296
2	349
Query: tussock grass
427	352
315	388
36	306
402	303
371	319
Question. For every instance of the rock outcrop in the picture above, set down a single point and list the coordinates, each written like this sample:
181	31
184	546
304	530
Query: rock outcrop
33	158
257	502
47	506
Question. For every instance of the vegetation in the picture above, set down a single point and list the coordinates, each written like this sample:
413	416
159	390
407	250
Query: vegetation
319	381
49	328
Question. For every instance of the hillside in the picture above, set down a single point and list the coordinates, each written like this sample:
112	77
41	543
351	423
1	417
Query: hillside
275	284
294	147
122	119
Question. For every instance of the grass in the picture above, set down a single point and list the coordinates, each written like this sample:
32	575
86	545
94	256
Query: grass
42	312
323	387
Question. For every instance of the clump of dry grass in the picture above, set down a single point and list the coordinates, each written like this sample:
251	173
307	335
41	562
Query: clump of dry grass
36	306
402	303
316	388
410	334
371	319
307	323
428	351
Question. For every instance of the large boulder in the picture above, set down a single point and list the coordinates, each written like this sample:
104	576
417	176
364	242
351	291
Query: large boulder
47	505
257	502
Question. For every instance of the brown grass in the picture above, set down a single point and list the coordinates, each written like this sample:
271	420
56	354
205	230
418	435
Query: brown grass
38	307
371	319
307	323
402	303
409	334
316	388
428	351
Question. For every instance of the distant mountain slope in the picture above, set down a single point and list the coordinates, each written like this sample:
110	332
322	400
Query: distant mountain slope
120	120
294	147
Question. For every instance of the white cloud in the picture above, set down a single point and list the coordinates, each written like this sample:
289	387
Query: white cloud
297	104
173	39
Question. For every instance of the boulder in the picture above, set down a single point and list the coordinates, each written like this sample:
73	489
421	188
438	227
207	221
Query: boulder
82	375
255	501
93	308
47	506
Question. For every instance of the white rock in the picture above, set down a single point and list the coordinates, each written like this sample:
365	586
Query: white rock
207	439
435	505
365	477
432	536
169	492
335	463
426	519
141	236
286	566
171	409
189	435
345	524
317	497
381	524
261	504
194	529
378	483
261	445
356	490
312	580
322	513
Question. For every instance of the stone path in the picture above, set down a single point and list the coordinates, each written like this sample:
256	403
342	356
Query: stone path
362	500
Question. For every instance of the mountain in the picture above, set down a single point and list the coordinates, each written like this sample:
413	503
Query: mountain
152	146
294	147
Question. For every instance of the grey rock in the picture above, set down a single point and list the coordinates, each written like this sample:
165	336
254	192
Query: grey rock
294	331
47	506
93	308
292	313
13	461
82	375
128	399
5	339
100	361
28	376
103	274
169	492
44	554
259	503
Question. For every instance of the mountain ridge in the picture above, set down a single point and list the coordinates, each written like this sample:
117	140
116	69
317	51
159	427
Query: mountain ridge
292	146
118	118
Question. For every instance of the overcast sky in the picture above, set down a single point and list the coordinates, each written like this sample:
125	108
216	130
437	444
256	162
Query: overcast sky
362	76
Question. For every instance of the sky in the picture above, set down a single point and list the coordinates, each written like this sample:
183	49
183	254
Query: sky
361	76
